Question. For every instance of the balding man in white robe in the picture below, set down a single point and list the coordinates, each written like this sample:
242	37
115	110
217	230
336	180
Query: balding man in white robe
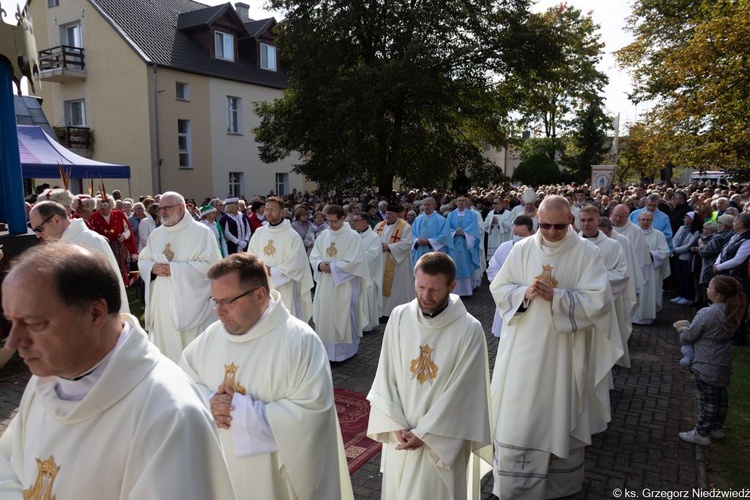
650	301
617	270
173	265
550	387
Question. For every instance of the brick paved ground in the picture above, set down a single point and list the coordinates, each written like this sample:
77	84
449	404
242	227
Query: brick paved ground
651	403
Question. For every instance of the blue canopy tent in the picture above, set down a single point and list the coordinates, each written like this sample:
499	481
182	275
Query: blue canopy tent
41	155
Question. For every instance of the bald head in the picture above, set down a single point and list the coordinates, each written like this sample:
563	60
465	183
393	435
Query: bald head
554	203
620	215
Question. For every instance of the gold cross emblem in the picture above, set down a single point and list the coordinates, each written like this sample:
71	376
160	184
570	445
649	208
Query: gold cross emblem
422	367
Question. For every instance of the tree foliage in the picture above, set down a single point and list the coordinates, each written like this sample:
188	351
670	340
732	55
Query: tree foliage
551	97
395	88
536	170
691	56
587	144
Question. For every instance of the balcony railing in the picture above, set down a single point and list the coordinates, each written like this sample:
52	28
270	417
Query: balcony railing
62	64
79	138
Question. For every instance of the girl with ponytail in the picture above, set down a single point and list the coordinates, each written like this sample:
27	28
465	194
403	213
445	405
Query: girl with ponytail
710	335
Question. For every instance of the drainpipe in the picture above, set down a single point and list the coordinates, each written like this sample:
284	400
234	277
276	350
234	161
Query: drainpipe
157	172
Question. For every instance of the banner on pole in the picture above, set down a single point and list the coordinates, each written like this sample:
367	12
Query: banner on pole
602	176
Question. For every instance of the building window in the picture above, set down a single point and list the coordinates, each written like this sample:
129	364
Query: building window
282	184
75	113
53	3
183	143
70	35
182	91
234	115
224	46
235	183
268	57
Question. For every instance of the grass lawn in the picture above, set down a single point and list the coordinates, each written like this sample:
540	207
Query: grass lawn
728	458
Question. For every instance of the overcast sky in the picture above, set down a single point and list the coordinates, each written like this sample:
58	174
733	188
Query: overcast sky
610	15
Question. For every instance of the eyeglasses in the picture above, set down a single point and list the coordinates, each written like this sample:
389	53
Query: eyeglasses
40	227
228	302
164	208
559	227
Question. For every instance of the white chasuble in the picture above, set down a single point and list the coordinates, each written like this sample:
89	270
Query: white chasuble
79	234
177	306
432	379
281	364
499	229
141	430
374	292
623	290
650	301
339	306
550	386
281	248
399	243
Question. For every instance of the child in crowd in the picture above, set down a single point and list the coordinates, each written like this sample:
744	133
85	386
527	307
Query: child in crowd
710	335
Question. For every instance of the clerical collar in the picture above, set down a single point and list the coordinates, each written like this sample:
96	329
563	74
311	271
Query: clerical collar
75	389
275	225
427	315
392	223
590	237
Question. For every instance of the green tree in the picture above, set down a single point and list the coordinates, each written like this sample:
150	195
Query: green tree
587	144
691	57
395	88
536	170
551	97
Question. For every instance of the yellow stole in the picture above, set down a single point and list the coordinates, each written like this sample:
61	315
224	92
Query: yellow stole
390	263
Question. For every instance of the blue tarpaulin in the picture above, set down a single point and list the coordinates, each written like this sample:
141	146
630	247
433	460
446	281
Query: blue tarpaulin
41	155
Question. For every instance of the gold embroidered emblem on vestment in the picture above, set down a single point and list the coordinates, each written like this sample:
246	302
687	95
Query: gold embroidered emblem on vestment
168	253
45	481
422	367
546	276
269	249
230	379
331	251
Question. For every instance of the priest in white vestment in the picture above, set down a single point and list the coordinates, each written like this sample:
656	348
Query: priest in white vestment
342	277
374	256
523	227
283	252
527	207
479	273
266	378
464	227
173	266
396	240
550	386
105	415
617	272
498	225
651	299
430	393
50	222
431	232
627	301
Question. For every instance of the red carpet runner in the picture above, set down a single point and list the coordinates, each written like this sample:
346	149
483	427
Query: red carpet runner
353	411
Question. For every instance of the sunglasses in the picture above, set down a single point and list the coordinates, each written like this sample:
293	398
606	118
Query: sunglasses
40	227
559	227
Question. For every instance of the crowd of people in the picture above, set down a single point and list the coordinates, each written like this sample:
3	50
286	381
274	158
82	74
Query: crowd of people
293	282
